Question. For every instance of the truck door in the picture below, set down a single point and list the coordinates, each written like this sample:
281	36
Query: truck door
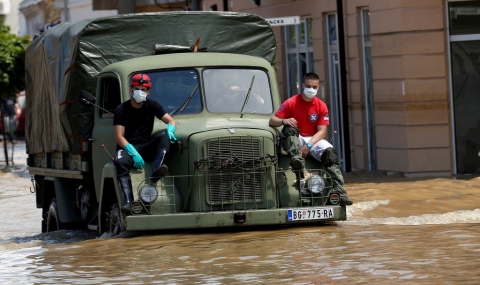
103	137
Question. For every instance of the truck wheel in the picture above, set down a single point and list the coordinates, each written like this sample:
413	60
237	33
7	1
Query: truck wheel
115	221
53	221
85	207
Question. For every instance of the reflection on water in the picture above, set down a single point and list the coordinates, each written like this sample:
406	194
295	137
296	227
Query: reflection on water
399	231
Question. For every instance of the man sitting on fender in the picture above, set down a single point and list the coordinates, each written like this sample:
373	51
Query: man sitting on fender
133	123
305	121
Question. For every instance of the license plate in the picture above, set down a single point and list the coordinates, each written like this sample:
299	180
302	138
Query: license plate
310	214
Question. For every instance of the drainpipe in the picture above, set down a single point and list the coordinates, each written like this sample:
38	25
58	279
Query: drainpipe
343	83
66	13
126	6
195	5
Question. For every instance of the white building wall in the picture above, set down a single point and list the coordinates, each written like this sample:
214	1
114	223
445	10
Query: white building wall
14	19
33	15
80	10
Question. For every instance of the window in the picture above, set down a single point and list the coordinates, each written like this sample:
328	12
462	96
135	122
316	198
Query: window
335	108
369	100
464	17
178	91
299	52
226	90
110	96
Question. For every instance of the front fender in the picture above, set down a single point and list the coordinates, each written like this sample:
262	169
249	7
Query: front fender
110	193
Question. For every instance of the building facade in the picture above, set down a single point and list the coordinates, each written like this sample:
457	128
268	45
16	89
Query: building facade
412	85
12	17
38	15
76	10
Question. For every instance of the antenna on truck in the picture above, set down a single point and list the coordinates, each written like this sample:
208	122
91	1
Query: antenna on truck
103	145
333	136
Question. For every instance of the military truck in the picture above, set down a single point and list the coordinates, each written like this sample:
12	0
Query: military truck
227	167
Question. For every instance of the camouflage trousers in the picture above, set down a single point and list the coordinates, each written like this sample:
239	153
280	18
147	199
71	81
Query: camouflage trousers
292	145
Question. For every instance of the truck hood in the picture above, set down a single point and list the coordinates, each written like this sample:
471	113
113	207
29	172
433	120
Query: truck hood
187	127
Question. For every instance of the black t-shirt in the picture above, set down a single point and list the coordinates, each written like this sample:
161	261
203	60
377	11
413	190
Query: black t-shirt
138	123
8	105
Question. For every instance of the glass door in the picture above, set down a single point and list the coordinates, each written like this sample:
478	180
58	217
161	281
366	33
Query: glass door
464	35
335	108
299	52
369	100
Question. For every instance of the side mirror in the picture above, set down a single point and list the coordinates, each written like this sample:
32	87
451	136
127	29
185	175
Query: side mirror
86	99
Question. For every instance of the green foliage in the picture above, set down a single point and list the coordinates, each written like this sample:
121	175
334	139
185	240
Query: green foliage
12	62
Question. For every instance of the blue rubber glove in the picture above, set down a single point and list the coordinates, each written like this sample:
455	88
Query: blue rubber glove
137	158
170	130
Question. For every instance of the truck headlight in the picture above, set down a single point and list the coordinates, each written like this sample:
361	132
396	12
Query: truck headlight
316	184
148	194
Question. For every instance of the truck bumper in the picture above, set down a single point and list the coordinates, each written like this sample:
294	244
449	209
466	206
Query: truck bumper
221	219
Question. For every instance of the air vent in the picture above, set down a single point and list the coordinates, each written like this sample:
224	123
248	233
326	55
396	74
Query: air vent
234	178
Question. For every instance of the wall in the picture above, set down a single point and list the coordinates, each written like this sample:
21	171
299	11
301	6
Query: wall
410	84
80	10
15	19
34	15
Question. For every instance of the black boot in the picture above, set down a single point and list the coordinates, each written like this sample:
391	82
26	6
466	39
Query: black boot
126	185
297	163
159	169
336	175
330	161
298	167
345	201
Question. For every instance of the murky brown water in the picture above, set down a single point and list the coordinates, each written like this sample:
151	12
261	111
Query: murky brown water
400	230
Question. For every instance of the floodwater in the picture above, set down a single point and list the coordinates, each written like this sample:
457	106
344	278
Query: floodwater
399	231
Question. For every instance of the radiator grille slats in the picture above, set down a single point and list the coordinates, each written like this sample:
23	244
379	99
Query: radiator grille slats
233	183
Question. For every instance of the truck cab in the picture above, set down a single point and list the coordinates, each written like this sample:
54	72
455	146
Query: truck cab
227	165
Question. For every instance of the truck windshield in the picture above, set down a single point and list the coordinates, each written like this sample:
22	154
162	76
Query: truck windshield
226	90
173	88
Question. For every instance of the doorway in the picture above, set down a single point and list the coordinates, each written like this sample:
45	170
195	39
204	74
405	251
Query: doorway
464	40
335	110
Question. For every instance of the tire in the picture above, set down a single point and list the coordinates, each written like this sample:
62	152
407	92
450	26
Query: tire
115	225
44	226
85	207
53	220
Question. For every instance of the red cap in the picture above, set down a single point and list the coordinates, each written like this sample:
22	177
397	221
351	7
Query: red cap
141	79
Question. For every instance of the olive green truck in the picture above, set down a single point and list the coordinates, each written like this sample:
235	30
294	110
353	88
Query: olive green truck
227	167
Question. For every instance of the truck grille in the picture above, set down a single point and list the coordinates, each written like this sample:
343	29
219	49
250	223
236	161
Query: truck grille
234	175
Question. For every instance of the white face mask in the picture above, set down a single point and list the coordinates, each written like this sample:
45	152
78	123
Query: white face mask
310	92
139	96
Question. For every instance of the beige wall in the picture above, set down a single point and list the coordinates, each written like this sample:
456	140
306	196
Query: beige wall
410	74
410	85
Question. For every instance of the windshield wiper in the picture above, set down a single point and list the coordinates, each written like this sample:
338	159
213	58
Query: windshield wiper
248	96
184	105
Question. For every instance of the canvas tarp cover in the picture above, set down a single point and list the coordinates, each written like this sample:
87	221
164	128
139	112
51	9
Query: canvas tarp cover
68	57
